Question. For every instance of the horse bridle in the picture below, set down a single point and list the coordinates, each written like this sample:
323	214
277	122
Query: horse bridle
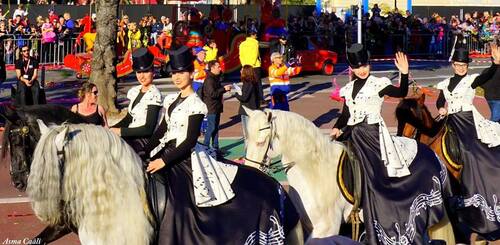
270	168
22	131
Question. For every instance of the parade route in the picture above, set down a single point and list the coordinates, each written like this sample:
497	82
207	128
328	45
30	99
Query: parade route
309	98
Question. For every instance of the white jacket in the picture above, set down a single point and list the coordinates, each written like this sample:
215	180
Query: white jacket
397	153
461	99
139	112
177	123
367	104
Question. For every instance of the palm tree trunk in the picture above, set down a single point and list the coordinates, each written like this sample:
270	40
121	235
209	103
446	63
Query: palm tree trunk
104	54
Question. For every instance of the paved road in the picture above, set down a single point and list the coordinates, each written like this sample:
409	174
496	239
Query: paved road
309	97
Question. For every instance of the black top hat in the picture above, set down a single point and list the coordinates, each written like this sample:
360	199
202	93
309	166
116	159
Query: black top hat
142	60
357	55
461	55
283	37
181	59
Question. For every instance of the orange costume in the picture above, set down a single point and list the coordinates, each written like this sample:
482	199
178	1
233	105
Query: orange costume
279	79
199	74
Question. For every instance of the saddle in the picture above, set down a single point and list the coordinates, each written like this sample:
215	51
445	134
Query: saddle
350	180
451	150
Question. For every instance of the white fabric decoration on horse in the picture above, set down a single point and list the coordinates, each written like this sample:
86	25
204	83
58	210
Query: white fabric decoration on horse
211	179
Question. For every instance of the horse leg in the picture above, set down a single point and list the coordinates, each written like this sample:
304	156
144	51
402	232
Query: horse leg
52	233
296	235
442	231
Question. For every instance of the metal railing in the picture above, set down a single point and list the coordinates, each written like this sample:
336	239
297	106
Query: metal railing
416	44
475	44
52	53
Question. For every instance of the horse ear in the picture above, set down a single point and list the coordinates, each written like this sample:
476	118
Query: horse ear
269	116
249	111
43	128
61	138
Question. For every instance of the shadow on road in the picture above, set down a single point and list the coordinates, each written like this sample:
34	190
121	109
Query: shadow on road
310	90
326	117
233	121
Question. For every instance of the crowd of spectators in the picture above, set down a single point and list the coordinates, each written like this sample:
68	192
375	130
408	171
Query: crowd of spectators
384	32
46	35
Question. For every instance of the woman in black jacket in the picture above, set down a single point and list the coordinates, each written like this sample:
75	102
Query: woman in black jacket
249	96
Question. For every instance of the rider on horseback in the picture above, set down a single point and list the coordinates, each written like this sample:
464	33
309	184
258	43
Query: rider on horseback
479	144
395	169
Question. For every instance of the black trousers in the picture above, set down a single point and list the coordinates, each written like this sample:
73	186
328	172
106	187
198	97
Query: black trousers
29	95
257	73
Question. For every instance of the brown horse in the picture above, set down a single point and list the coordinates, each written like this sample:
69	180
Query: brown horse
416	121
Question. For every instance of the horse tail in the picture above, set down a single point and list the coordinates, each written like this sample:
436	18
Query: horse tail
44	181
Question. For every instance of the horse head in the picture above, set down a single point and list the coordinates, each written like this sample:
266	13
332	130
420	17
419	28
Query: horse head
413	115
22	133
20	137
261	147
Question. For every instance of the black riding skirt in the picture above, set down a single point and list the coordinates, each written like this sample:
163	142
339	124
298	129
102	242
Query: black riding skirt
398	208
480	178
260	210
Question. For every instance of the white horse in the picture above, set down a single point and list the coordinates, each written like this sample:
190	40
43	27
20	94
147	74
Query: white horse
312	161
88	177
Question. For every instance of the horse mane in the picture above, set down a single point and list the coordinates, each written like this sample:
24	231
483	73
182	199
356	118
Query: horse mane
99	189
306	134
48	113
404	114
313	151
